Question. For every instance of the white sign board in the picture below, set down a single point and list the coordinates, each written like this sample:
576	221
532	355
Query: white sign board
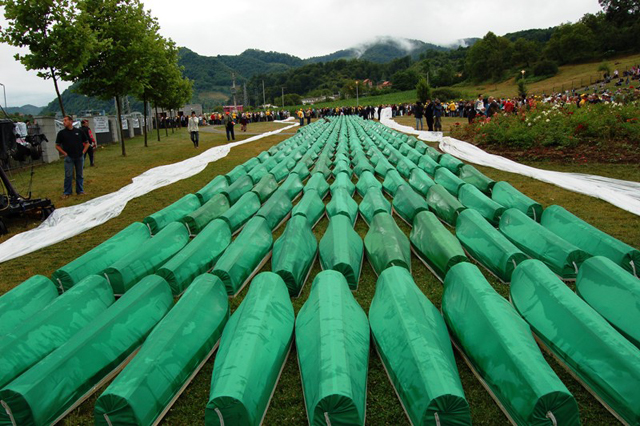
125	124
101	124
135	123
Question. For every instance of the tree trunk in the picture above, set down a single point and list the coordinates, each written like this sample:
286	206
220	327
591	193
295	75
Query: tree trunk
55	83
119	126
158	123
144	120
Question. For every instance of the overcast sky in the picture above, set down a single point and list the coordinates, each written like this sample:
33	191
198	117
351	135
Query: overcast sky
313	28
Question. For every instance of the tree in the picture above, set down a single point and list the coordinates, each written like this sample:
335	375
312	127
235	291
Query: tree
621	11
489	58
522	89
423	91
59	41
117	67
571	43
525	52
405	80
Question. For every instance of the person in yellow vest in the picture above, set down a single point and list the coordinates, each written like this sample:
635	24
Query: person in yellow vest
301	117
268	115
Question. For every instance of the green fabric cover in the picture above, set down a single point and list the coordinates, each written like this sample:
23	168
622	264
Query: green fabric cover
301	170
174	212
341	249
448	180
197	257
407	203
263	156
487	245
413	342
383	167
244	254
292	186
593	350
435	245
471	175
237	189
342	167
24	301
590	239
343	182
332	341
243	210
342	204
321	168
443	204
294	253
256	174
386	245
280	171
253	349
96	260
236	173
429	165
451	163
48	329
251	164
433	153
392	182
276	209
499	345
472	198
124	273
538	242
212	188
405	166
505	194
613	293
169	356
265	187
420	181
49	388
361	167
372	204
211	210
367	180
317	183
310	206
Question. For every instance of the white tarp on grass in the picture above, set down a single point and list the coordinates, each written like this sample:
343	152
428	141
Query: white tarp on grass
620	193
70	221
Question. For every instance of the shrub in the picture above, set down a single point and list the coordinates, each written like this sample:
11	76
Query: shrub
446	94
546	68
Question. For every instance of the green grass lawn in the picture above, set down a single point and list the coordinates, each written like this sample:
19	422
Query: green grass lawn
287	406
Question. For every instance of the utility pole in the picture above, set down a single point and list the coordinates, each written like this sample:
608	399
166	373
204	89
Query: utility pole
246	98
283	97
233	90
357	95
264	98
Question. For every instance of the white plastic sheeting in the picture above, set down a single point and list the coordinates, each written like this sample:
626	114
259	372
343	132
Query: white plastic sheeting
70	221
620	193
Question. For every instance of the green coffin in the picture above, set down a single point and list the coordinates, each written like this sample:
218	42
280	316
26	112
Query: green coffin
435	245
343	182
45	392
429	165
236	173
586	343
420	181
276	209
294	253
245	255
367	180
237	189
538	242
341	249
197	257
310	206
590	239
243	210
471	175
253	349
386	245
265	187
332	341
124	273
487	245
24	301
176	348
48	329
443	204
372	204
175	212
392	182
451	163
316	182
407	203
211	210
212	188
505	194
472	198
96	260
448	180
500	347
413	342
342	204
613	293
292	186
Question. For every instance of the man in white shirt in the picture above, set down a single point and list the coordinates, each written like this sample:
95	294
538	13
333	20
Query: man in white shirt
193	129
479	105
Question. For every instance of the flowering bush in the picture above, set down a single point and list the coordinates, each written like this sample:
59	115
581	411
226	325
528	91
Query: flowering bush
556	125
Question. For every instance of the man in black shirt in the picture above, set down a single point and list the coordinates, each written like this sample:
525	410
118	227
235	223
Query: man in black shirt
72	144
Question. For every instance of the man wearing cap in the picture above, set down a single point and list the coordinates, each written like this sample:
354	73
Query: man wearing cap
193	129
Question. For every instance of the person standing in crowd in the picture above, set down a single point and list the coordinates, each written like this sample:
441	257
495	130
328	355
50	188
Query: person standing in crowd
479	105
438	110
93	146
419	112
243	122
470	111
301	117
307	115
428	112
194	131
493	107
72	143
228	126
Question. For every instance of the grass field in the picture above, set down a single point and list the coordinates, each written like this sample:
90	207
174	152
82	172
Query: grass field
287	406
